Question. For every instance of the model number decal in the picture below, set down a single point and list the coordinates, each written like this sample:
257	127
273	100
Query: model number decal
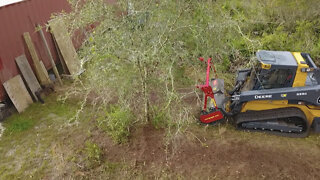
263	96
302	94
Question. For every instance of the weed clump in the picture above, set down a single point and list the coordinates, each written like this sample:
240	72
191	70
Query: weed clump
159	118
116	122
93	154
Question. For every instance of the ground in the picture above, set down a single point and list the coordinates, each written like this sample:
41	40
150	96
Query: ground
48	142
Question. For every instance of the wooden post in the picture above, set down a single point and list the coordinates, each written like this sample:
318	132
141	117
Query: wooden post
55	70
28	75
42	75
64	42
64	66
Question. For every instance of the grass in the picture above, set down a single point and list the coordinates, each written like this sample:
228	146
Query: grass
35	114
19	124
40	143
29	136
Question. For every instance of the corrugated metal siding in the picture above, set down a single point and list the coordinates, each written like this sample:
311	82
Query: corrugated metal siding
15	19
7	2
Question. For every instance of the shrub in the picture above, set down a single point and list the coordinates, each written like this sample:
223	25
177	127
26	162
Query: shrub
116	123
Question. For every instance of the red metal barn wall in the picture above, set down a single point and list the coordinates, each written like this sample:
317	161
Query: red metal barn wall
15	19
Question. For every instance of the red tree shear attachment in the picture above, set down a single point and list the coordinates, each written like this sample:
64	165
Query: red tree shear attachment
214	113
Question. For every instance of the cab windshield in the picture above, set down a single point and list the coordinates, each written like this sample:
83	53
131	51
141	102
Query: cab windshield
273	78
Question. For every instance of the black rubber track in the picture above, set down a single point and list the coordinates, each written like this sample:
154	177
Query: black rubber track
253	116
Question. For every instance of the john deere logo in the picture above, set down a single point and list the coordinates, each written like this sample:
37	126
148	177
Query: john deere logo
263	96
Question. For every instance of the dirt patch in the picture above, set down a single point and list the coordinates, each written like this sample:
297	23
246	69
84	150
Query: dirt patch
237	159
146	146
227	158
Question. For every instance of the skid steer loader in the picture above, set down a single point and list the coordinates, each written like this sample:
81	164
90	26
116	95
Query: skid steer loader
279	95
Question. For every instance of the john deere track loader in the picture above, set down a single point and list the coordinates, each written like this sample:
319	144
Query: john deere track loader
279	95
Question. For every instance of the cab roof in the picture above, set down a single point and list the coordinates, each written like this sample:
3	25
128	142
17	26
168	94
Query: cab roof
277	58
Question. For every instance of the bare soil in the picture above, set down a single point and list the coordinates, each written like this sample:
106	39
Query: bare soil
222	157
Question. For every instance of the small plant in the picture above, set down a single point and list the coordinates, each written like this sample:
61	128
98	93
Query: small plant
116	123
93	154
160	119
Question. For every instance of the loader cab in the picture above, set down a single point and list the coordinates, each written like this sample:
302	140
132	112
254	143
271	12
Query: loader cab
275	69
281	69
278	69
